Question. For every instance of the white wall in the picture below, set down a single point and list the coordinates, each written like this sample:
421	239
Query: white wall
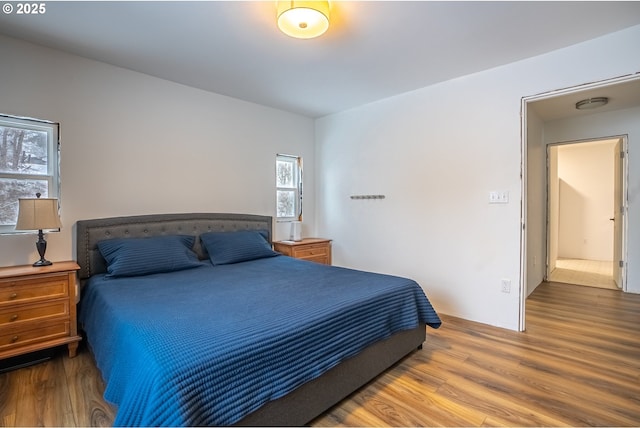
585	174
607	124
536	202
135	144
436	153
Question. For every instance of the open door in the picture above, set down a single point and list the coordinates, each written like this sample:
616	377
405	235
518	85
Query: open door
618	212
553	209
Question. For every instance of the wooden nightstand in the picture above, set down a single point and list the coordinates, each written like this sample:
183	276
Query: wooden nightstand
38	308
312	249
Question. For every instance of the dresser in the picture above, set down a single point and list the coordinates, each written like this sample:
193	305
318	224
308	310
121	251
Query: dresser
38	308
312	249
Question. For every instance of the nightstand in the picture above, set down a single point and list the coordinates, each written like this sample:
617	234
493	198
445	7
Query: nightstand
312	249
38	308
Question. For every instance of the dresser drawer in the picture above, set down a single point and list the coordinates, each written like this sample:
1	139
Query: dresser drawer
17	338
33	289
24	313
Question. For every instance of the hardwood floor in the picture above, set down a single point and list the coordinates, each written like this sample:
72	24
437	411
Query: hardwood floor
578	364
60	392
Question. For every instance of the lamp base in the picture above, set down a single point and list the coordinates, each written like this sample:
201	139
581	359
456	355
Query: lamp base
41	245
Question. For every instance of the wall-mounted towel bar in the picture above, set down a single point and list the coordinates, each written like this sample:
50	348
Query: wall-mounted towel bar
367	196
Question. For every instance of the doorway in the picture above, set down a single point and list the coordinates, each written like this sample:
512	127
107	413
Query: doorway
552	117
584	228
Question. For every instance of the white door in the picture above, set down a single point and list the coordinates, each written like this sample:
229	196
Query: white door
618	212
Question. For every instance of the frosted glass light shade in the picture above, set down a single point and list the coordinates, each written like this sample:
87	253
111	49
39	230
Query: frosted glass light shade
303	19
591	103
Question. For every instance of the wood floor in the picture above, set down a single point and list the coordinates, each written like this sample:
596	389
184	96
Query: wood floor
578	364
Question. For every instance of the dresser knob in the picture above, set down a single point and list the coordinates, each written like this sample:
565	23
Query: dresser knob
13	295
13	317
14	339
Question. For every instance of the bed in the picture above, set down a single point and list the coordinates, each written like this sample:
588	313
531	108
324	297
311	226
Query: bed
227	332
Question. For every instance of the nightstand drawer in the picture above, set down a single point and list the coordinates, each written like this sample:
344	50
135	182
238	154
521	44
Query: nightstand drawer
311	251
323	259
32	289
45	332
20	314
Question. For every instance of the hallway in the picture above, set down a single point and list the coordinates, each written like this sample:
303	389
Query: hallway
591	273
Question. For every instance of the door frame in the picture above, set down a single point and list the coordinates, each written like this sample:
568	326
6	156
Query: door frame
621	192
523	179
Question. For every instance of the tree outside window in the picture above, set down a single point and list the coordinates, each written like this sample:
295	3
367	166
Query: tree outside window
28	164
288	188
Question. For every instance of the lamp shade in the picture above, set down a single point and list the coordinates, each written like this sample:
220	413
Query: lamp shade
37	214
303	19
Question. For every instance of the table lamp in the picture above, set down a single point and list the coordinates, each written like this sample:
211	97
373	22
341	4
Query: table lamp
37	214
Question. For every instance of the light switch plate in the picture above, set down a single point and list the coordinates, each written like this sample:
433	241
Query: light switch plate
499	197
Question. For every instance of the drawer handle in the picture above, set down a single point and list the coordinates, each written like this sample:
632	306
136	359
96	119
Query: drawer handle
13	317
14	339
13	296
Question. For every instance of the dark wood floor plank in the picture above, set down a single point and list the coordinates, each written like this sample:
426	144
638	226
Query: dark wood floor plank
37	396
86	390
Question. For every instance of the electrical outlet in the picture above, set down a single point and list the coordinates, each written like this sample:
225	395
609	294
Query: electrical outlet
506	285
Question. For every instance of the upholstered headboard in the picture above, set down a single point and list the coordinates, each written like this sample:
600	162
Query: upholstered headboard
90	232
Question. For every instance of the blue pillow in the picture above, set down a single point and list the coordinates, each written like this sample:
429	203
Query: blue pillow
233	247
143	256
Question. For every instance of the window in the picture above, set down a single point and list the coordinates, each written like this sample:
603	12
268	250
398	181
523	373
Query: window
288	188
29	163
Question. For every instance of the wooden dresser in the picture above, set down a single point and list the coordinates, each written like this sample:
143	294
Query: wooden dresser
312	249
38	308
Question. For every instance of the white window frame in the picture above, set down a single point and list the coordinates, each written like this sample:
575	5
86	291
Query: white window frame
52	176
296	161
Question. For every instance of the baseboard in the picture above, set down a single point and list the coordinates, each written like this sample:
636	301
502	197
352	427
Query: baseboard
20	361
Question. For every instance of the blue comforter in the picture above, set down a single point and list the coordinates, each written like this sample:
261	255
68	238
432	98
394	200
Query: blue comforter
209	345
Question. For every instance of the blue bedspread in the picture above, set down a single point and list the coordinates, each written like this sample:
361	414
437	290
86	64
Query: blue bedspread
209	345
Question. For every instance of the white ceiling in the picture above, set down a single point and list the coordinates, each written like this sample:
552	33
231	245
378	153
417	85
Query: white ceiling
621	95
372	50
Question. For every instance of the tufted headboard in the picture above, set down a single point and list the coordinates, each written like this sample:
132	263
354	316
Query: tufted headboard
89	232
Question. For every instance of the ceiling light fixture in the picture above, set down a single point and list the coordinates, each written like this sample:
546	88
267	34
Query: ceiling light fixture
591	103
303	19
